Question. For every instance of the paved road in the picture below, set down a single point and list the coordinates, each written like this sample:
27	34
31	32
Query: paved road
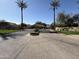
44	46
15	35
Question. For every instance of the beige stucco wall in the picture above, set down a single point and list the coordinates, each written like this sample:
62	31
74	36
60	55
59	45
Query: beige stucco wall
67	28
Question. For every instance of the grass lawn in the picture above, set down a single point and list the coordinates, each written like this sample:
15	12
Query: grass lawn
4	32
69	32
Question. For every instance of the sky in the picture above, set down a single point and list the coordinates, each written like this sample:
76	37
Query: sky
37	10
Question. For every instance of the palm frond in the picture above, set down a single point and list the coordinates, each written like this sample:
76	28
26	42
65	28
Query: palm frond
21	4
55	3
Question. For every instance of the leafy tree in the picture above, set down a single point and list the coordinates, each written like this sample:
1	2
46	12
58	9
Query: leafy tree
39	25
4	23
22	5
76	20
69	22
61	18
55	4
7	25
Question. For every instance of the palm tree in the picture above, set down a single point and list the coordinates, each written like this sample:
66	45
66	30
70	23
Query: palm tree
22	5
55	5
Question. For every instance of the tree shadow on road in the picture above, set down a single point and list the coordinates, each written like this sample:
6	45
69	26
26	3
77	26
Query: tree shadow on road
11	35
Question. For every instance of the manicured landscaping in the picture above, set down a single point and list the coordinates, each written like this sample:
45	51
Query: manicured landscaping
4	32
69	32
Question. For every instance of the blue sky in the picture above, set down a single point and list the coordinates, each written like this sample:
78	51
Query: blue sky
38	10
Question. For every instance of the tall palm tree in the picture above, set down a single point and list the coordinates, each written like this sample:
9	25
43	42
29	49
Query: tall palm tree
22	5
55	4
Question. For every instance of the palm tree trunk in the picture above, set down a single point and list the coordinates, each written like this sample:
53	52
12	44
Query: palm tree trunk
54	18
21	17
